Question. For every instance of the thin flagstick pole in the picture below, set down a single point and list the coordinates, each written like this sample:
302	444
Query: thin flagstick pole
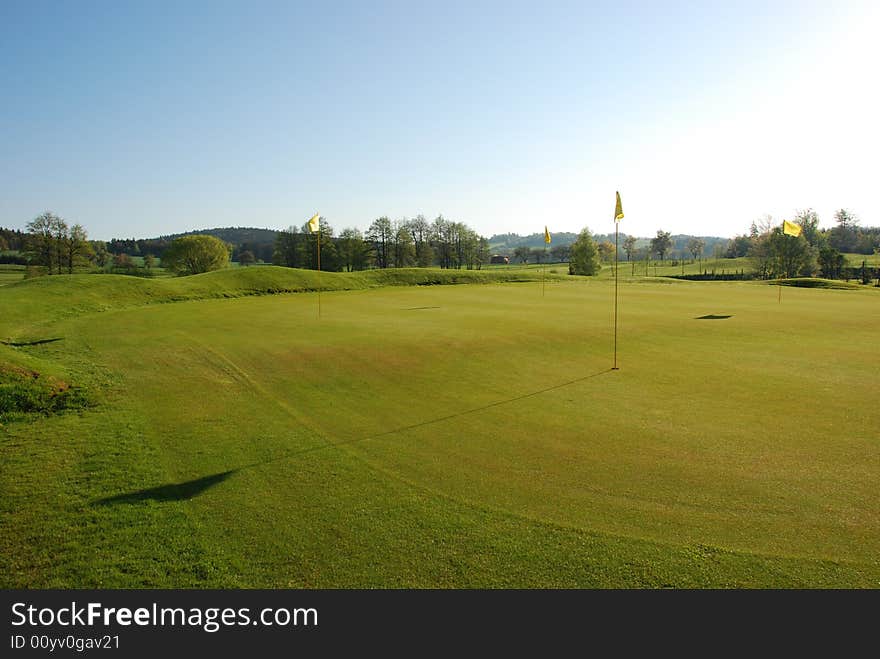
616	236
319	272
544	272
779	274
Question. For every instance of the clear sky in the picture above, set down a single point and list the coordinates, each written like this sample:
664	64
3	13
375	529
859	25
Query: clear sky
137	119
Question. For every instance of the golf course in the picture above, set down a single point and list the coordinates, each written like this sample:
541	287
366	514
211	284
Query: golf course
430	428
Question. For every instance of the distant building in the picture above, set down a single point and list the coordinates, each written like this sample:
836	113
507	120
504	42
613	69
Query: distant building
498	258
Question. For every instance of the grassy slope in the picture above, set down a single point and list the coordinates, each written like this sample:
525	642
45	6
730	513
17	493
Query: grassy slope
10	273
217	415
31	304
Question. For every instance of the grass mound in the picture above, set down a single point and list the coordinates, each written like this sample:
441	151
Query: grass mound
24	392
33	302
815	282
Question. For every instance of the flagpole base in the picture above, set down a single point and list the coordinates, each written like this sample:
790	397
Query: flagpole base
615	368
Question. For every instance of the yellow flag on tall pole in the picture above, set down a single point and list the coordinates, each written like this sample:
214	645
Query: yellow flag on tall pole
546	235
791	229
315	227
618	216
314	223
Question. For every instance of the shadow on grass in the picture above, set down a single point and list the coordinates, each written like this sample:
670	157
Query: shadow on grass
189	489
173	492
482	408
37	342
330	444
712	317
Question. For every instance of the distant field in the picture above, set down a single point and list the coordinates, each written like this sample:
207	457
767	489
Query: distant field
442	436
10	273
855	260
642	269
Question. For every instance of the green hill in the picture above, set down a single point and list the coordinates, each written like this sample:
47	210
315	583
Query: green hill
233	235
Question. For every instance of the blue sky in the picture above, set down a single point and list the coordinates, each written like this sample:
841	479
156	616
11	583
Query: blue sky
141	119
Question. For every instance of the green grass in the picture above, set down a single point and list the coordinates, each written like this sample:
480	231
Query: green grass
31	305
10	272
675	267
855	260
668	267
26	393
452	436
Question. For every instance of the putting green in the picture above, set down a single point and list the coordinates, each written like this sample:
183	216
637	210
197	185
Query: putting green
461	436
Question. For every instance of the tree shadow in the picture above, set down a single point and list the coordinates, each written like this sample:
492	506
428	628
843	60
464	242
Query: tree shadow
712	317
173	492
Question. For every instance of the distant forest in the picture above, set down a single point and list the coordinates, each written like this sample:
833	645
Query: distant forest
54	245
261	242
506	243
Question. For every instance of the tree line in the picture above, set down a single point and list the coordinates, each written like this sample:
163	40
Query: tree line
61	247
56	245
51	243
815	251
259	243
387	243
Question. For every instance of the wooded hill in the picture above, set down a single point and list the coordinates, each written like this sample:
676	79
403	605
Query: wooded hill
506	243
261	242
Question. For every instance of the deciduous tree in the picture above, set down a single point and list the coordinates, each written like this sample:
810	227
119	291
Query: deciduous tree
403	248
420	229
522	253
560	253
606	251
191	255
661	244
381	237
354	253
122	261
75	247
43	240
831	262
584	259
290	247
844	236
696	246
629	246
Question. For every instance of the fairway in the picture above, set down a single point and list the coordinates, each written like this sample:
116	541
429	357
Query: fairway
454	436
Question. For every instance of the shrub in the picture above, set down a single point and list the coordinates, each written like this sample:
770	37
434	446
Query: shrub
191	255
22	394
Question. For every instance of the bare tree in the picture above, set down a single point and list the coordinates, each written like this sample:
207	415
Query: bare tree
629	246
696	246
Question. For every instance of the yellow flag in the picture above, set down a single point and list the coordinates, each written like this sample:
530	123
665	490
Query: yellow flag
313	223
546	235
618	210
790	228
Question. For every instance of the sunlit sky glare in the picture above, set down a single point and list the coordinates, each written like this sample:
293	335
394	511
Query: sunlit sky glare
138	119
